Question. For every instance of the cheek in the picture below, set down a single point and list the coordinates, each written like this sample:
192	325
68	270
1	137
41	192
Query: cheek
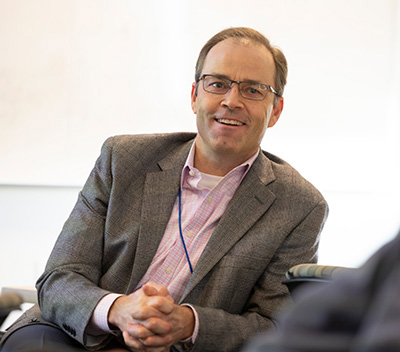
200	118
207	103
261	116
205	109
267	113
261	124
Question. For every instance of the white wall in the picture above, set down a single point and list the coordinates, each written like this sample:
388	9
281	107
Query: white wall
74	72
31	218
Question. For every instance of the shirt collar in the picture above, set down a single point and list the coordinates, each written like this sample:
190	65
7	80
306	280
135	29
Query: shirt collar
189	168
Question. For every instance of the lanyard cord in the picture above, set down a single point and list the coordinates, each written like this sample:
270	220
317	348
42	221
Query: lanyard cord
181	233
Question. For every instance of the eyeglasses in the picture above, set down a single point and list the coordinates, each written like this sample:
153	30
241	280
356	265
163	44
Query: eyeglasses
252	90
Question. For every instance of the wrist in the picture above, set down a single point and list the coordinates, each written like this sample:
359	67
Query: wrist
188	323
113	314
101	313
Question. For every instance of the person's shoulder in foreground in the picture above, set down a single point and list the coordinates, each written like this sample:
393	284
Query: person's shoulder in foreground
358	311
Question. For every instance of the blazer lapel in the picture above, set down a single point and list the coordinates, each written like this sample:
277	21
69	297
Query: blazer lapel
251	200
159	195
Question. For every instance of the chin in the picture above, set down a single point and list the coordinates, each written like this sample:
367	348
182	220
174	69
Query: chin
224	148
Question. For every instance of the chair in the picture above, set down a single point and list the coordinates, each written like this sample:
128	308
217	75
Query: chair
307	274
12	301
8	303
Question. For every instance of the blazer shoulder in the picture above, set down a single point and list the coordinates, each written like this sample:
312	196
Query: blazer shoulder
144	147
158	139
291	182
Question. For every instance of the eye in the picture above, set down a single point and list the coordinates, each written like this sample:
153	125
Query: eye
215	85
253	90
218	84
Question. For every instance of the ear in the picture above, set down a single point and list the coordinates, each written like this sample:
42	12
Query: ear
276	112
193	97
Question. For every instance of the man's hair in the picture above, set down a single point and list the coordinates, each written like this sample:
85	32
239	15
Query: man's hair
243	33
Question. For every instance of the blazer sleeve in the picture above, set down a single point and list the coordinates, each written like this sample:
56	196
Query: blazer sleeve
69	289
96	251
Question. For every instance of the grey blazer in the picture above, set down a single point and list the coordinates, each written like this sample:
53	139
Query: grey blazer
272	223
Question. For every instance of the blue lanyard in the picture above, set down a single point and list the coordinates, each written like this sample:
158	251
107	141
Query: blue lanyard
181	233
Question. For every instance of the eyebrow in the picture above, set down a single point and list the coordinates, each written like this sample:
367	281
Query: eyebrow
251	81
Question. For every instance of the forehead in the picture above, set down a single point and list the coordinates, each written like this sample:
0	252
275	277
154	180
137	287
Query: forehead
241	60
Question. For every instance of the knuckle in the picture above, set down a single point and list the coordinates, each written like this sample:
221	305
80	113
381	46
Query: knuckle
140	312
151	323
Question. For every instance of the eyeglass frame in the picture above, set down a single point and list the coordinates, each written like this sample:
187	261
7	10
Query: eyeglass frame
238	83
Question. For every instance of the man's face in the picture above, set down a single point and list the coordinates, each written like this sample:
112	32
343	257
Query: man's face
230	123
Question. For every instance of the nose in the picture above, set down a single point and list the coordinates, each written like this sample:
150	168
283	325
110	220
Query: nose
232	98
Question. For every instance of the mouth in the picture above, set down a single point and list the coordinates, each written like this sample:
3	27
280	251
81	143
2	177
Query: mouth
229	122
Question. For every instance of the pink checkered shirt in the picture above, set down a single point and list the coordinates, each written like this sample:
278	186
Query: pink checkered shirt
204	200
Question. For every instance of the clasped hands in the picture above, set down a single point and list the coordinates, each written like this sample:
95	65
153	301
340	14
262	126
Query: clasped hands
149	319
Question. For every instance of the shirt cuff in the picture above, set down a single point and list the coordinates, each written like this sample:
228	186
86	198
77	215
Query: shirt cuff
98	325
192	339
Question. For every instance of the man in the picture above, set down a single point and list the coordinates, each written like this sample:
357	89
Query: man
359	311
181	240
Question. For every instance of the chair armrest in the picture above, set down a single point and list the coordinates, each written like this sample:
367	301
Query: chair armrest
28	294
13	301
315	271
305	274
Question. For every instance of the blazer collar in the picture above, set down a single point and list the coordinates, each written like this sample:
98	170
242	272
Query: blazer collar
159	195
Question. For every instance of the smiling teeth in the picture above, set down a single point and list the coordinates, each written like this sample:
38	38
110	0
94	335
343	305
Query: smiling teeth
230	122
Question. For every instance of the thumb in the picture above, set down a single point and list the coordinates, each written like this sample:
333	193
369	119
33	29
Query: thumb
150	290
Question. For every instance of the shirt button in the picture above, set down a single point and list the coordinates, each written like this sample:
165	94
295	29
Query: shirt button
209	200
191	173
189	234
168	271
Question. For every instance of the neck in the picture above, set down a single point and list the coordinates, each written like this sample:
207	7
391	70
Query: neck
216	165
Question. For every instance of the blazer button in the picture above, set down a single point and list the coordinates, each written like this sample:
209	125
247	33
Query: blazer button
33	320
